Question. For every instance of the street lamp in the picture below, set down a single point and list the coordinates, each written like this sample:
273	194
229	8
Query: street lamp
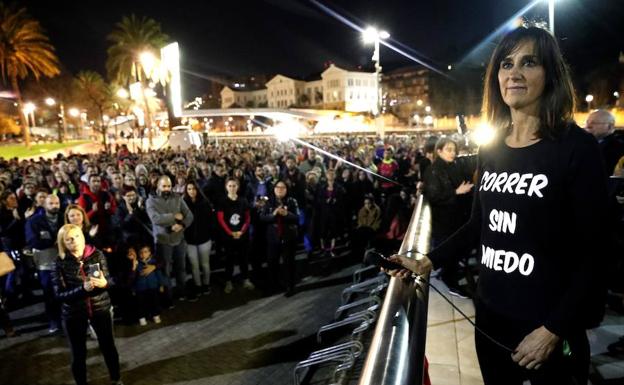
372	36
50	102
29	111
589	98
74	112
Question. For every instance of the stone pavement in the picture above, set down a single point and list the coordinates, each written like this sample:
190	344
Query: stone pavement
241	338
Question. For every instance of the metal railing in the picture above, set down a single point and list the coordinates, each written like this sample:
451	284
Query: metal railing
397	352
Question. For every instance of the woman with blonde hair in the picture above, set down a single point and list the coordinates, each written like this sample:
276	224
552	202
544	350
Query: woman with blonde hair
81	281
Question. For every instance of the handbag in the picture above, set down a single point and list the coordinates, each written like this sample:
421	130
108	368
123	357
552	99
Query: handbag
6	264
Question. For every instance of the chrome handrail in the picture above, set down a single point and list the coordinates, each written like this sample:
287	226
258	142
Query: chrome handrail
397	352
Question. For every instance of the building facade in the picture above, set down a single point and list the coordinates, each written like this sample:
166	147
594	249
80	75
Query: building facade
406	92
243	97
336	88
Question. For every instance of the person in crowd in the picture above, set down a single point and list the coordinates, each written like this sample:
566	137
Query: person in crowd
149	282
12	242
65	195
447	192
100	206
81	281
427	160
76	215
41	230
180	187
234	218
214	189
539	187
37	206
131	221
26	198
331	210
388	168
368	222
601	124
310	163
281	214
170	215
295	180
199	237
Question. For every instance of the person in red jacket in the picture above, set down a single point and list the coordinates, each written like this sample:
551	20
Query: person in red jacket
99	205
388	167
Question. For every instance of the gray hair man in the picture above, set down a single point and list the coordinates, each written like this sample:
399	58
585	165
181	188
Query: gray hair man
601	124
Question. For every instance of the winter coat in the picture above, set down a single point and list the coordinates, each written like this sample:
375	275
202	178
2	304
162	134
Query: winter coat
161	212
68	279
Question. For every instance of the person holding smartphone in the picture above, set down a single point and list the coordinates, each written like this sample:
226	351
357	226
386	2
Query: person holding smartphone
81	281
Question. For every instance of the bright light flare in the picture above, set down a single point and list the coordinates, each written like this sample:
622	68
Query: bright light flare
29	108
589	98
74	112
370	35
171	67
123	93
483	134
148	62
50	101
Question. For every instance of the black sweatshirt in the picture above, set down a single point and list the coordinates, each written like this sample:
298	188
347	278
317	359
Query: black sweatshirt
538	220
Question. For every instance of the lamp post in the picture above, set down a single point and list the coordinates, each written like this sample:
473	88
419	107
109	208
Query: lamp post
372	35
29	113
62	125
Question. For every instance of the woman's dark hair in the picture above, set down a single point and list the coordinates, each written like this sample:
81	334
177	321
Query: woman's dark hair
199	195
4	196
443	141
557	100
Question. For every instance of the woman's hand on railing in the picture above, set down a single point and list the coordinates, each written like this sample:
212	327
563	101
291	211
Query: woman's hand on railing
421	266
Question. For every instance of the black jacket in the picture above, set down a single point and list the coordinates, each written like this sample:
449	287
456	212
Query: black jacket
448	210
11	231
135	228
203	227
68	279
288	223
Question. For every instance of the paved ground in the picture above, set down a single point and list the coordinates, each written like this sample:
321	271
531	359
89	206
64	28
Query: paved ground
241	338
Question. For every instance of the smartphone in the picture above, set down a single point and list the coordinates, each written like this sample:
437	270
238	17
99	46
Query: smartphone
374	258
94	270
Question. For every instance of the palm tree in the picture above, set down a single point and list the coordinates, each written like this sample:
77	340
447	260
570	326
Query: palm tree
24	50
97	94
132	37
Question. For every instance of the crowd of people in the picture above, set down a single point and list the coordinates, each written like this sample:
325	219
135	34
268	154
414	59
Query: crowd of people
161	217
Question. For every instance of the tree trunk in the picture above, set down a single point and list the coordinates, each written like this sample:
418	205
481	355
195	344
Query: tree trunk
103	128
20	113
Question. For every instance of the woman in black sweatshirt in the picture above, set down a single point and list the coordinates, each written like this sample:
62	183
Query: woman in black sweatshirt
447	191
234	218
538	219
199	236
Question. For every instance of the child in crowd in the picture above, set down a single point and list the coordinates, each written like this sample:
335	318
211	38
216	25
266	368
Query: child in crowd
148	283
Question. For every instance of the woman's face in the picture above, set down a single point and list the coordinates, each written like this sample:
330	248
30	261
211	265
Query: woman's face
75	217
40	198
129	180
231	187
74	242
280	190
448	152
191	191
521	78
11	202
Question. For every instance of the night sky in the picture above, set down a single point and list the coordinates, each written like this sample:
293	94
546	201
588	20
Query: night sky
296	37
